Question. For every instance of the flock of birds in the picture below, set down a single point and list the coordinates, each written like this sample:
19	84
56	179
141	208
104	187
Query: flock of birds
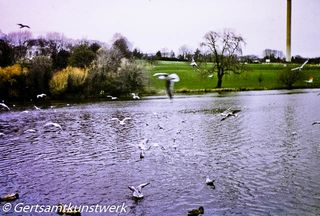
170	79
137	193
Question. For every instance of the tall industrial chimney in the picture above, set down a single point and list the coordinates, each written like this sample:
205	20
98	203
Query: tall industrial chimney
288	56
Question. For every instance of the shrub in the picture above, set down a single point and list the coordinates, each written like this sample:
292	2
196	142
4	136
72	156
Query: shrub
81	56
115	75
40	74
288	77
132	76
12	79
69	80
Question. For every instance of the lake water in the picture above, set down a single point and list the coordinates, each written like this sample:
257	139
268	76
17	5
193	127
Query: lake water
265	161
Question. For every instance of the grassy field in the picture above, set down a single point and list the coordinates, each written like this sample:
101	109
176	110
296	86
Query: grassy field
191	80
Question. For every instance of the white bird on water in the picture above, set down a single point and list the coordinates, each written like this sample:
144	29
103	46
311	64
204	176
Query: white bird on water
37	108
137	191
30	131
135	96
121	122
170	80
210	182
5	106
52	124
316	122
300	67
143	144
112	98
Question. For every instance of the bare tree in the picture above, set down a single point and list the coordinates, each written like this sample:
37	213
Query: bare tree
18	40
224	51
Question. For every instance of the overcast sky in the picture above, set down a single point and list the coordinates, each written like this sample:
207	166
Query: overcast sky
152	25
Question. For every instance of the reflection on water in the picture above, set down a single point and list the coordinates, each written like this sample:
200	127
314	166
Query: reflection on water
265	160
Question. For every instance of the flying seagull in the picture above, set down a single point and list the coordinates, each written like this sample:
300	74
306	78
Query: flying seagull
170	80
41	95
5	106
228	113
23	26
300	67
137	191
122	122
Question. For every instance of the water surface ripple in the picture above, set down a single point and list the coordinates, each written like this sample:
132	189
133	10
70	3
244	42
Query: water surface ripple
265	161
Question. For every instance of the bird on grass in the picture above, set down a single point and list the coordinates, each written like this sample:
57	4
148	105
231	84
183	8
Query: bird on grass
137	191
210	182
121	122
228	113
4	106
112	98
23	26
9	197
196	212
300	67
135	96
310	80
170	80
193	63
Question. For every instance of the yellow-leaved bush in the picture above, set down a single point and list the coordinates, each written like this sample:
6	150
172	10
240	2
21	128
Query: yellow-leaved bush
11	80
8	74
70	77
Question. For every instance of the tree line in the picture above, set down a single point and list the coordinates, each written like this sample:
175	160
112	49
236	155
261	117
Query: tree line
60	67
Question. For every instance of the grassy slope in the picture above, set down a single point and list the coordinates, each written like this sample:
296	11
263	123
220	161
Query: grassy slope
191	79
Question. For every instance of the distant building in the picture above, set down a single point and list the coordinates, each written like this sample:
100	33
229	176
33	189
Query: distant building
33	52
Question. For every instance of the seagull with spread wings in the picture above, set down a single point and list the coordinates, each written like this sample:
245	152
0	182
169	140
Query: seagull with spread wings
23	26
300	67
170	80
137	191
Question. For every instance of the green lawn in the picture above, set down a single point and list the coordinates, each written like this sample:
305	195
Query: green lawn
190	78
